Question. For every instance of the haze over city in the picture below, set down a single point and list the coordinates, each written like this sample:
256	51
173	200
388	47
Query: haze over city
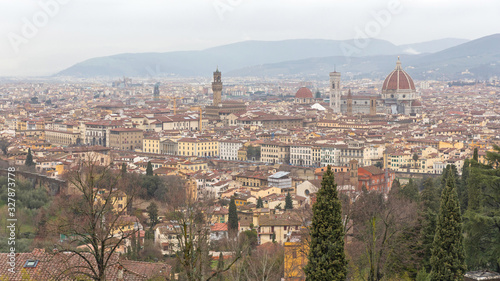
80	30
225	140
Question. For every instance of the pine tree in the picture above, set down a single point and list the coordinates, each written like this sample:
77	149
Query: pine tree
260	203
448	257
29	159
327	259
149	169
288	202
232	221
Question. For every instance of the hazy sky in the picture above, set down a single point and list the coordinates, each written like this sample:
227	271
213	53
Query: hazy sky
41	37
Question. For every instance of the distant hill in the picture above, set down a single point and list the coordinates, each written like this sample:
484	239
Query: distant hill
476	59
445	58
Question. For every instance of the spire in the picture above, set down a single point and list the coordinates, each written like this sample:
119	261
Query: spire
349	93
398	64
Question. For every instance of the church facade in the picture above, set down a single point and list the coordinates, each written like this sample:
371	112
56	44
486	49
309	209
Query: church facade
398	96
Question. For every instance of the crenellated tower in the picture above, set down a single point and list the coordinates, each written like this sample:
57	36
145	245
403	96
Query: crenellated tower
217	88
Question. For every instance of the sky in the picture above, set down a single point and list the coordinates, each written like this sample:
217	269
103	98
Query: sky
42	37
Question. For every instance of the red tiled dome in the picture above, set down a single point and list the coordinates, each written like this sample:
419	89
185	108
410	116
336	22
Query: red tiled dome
304	93
398	79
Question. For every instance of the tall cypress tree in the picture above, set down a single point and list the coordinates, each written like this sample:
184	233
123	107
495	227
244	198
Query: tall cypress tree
448	256
288	202
327	259
232	221
475	156
149	169
124	169
29	159
260	203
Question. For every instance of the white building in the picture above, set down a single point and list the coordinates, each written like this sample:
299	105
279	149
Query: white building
301	155
228	149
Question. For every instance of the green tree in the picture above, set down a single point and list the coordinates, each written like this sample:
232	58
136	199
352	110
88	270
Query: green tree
482	218
462	187
220	266
260	203
149	169
152	210
232	221
410	191
124	169
448	257
288	202
4	145
327	259
475	156
318	94
29	159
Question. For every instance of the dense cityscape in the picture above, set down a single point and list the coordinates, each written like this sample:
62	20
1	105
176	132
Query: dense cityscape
269	172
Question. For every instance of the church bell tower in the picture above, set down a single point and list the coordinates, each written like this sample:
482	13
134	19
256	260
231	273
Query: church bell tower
335	91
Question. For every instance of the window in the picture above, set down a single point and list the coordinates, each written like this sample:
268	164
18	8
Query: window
30	263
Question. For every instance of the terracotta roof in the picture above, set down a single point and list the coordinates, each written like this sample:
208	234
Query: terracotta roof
304	93
398	79
52	266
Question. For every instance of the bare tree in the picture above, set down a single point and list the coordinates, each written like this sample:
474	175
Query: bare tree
94	221
265	264
193	237
377	224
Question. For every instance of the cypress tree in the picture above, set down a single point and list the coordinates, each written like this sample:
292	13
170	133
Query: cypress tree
220	267
152	210
232	221
475	156
260	203
288	202
124	169
149	169
327	259
29	159
448	257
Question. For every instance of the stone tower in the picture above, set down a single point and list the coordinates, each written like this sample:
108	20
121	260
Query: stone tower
373	106
335	91
349	103
353	173
217	88
156	92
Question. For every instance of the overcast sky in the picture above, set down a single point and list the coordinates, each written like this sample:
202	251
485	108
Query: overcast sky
71	31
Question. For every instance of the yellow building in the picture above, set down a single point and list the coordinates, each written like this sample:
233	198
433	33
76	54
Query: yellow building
295	260
265	191
151	145
242	154
275	152
62	137
118	199
201	147
126	138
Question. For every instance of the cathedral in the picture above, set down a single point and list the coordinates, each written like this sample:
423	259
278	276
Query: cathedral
398	96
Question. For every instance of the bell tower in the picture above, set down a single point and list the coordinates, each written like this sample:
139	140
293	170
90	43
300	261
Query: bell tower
335	91
217	88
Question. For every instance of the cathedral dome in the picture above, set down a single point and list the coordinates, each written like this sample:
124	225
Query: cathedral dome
304	93
398	79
